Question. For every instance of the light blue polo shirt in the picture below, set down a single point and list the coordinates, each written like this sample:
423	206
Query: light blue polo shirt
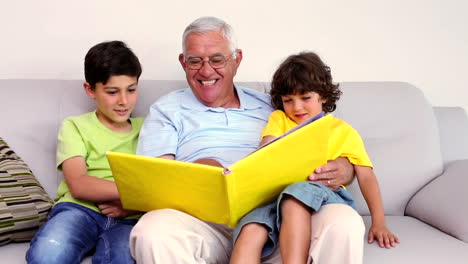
179	124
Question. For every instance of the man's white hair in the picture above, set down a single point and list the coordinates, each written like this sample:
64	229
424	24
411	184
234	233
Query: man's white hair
207	24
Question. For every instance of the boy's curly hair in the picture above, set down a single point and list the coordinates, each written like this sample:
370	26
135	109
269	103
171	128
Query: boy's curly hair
302	73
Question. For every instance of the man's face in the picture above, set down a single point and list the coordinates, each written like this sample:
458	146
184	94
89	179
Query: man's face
212	87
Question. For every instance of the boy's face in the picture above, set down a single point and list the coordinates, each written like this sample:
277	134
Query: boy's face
300	107
115	101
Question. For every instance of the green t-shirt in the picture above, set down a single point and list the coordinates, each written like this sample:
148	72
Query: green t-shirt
86	136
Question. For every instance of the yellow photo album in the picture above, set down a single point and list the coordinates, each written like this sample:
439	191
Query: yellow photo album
221	195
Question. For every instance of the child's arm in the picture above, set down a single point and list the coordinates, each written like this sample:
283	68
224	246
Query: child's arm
85	187
371	192
114	209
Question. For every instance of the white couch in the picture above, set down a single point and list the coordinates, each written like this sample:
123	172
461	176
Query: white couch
420	154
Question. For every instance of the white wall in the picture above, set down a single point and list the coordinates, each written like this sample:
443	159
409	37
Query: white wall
424	42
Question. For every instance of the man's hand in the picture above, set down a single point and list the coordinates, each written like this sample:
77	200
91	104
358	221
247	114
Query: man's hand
114	209
334	174
210	162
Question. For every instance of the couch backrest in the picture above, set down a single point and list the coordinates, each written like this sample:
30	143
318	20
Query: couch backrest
395	120
400	132
32	111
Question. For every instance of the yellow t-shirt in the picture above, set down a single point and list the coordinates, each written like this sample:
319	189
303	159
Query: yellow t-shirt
86	136
344	140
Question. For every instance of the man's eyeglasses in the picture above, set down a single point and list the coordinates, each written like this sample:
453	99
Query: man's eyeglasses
216	61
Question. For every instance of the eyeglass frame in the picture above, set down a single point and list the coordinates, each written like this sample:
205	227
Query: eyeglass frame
202	61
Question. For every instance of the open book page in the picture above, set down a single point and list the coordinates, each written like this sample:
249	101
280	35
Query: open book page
259	178
147	183
211	194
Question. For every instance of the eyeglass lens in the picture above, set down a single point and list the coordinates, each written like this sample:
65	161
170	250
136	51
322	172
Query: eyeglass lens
216	61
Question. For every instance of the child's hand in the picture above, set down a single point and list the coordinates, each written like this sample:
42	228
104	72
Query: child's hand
114	209
383	236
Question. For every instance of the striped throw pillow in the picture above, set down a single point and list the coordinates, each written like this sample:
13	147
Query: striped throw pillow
24	204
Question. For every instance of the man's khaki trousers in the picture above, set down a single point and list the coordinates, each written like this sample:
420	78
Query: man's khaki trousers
168	236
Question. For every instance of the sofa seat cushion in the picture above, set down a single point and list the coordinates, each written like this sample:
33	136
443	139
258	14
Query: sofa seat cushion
419	243
24	204
16	252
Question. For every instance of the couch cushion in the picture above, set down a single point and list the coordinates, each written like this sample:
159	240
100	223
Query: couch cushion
29	123
443	203
453	128
419	243
24	204
400	132
14	253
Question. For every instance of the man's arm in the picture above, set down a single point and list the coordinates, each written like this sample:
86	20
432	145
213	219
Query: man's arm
210	162
167	156
334	174
266	140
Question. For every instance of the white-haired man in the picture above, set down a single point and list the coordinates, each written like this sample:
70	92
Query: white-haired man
218	121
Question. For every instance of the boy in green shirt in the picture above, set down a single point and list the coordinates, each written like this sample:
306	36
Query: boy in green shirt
88	216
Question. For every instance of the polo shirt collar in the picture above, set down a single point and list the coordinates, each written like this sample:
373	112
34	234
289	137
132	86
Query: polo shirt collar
246	102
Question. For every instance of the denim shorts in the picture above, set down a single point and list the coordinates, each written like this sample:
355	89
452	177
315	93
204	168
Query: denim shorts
311	194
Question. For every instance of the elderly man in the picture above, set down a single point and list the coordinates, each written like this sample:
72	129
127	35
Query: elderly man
219	122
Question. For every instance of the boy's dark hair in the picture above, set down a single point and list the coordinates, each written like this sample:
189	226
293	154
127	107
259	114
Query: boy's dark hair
302	73
107	59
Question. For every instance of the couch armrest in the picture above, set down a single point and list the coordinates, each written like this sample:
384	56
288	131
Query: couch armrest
453	131
443	203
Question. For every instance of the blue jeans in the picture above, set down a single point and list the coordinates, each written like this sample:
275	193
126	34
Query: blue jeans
72	232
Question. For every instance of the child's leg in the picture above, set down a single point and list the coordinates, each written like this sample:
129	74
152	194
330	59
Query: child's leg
295	230
256	235
249	244
113	244
67	236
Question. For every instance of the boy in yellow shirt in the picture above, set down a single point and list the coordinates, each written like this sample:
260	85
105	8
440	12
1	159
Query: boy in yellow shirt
88	216
302	89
